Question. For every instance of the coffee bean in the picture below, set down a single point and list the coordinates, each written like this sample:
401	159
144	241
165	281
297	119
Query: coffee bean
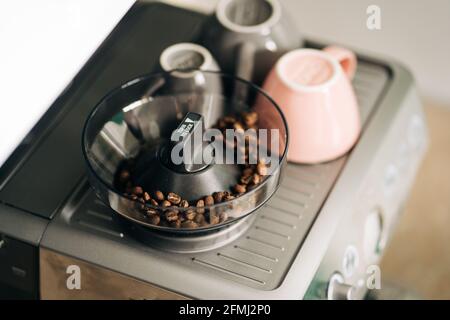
184	204
159	195
261	168
213	218
238	127
249	118
209	201
218	196
166	203
256	179
124	176
150	211
245	179
133	197
239	188
138	191
154	219
199	218
190	214
221	124
147	197
223	217
175	224
228	197
200	204
229	120
153	202
173	198
188	224
247	172
171	215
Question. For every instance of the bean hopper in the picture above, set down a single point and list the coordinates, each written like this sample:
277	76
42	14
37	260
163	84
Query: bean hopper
154	119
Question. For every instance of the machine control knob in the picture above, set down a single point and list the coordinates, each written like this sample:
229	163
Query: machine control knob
338	290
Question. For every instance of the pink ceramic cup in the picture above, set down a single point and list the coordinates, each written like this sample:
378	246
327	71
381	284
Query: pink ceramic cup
313	89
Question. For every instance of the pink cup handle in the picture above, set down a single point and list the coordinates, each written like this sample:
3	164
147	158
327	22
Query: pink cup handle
346	58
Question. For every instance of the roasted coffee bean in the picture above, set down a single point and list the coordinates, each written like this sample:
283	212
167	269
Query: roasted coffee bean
175	224
188	224
239	188
261	168
250	118
133	197
247	172
190	214
228	197
223	217
154	219
200	204
140	200
159	195
209	201
171	215
138	191
221	124
184	204
124	176
166	203
173	198
229	119
153	202
218	196
238	127
245	179
256	179
146	197
150	211
199	218
213	218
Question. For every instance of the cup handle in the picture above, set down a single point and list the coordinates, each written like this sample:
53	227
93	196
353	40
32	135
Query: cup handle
346	58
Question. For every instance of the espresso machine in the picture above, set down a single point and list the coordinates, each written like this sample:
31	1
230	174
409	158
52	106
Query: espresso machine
317	237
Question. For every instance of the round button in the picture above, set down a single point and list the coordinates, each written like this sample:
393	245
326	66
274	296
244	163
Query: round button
372	234
416	132
390	178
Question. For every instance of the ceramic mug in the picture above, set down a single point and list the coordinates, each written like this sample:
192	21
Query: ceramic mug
313	88
184	60
248	36
187	56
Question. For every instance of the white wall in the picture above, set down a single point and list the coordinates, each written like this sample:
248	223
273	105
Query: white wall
416	32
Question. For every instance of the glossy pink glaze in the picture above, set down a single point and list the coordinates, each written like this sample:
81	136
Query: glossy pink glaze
323	115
